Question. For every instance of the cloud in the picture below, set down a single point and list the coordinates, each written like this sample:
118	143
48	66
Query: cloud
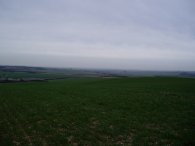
120	32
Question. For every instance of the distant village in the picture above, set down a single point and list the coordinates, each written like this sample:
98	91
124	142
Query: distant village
10	80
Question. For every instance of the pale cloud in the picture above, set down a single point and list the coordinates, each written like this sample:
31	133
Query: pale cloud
134	34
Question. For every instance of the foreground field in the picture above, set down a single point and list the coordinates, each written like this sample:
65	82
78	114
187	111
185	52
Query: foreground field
95	111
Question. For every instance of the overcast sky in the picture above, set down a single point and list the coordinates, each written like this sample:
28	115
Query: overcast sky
121	34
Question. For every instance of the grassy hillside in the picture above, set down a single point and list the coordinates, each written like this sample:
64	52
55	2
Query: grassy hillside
96	111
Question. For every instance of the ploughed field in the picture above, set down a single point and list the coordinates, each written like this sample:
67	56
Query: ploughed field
98	111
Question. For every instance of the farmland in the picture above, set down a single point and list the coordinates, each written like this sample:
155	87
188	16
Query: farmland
99	111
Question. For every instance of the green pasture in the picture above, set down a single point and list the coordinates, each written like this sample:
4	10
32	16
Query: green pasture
98	111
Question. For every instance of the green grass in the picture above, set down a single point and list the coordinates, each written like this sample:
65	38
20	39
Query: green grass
95	111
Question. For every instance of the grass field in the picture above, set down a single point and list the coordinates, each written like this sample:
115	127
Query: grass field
97	111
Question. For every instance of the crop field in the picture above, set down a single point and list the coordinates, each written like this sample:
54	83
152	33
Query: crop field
153	111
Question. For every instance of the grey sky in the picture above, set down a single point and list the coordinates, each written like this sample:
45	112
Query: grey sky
121	34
